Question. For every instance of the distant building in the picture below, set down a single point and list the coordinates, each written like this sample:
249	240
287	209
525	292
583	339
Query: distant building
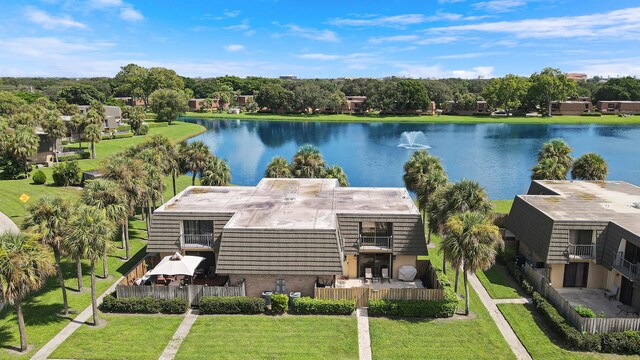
198	104
618	107
573	107
354	105
288	77
452	107
577	76
113	116
128	100
45	152
244	100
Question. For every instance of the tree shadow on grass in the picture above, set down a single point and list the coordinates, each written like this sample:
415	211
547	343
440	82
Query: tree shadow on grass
6	339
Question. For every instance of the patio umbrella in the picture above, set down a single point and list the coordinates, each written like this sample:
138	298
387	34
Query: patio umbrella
177	264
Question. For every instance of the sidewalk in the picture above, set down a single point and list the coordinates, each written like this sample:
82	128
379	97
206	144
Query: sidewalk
178	337
364	340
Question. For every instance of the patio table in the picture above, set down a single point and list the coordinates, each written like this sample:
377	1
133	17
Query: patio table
627	309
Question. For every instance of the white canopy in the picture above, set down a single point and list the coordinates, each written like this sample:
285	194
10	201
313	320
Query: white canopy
177	264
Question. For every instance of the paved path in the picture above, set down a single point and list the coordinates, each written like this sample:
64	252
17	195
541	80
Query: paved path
512	301
364	340
183	330
7	225
57	340
513	341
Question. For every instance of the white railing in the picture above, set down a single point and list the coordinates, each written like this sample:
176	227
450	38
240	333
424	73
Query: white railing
196	240
376	241
624	266
583	251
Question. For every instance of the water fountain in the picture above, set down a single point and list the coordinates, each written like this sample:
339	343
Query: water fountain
413	140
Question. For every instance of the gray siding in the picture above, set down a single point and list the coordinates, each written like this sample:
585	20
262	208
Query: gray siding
530	226
560	238
279	252
408	232
537	188
614	236
165	229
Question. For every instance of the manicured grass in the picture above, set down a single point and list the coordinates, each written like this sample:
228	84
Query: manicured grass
123	337
527	327
609	119
502	206
498	283
266	337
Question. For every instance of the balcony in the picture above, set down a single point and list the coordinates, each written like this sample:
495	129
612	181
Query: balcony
375	243
582	251
196	241
625	267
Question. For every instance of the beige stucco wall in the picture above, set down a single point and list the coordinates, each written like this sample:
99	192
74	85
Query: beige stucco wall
556	275
351	266
402	260
597	278
256	284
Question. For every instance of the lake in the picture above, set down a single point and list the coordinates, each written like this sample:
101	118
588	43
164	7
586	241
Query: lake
499	156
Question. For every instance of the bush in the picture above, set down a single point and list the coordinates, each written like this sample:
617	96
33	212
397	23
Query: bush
122	136
506	256
311	306
124	128
279	303
39	177
73	157
231	305
144	129
594	113
627	342
415	308
585	312
145	305
66	173
173	306
152	125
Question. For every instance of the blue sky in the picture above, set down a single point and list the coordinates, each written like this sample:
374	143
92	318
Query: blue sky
356	38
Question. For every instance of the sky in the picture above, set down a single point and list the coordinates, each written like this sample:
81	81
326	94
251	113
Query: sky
320	39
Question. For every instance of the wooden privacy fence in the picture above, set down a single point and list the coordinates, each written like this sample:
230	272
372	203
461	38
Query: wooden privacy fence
193	293
590	325
363	295
428	275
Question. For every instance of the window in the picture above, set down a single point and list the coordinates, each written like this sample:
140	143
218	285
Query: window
197	227
371	228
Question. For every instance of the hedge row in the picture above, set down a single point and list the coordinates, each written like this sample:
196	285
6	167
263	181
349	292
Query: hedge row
147	305
595	113
81	156
311	306
120	136
157	124
124	128
231	305
413	308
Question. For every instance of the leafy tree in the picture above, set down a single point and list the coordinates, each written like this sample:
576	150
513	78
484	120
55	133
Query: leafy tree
217	173
136	116
10	103
275	97
66	173
21	145
195	158
139	82
590	166
336	101
77	125
65	108
308	163
79	94
336	172
411	95
93	134
278	167
46	219
55	128
550	85
168	104
471	241
507	92
624	88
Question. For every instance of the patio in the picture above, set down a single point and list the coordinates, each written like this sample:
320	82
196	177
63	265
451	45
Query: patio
378	284
593	299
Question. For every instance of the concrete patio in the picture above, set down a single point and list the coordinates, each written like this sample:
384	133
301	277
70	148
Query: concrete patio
392	284
593	299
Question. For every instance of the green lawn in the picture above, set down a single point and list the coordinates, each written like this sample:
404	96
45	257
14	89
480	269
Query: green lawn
608	119
502	206
267	337
123	337
537	341
498	283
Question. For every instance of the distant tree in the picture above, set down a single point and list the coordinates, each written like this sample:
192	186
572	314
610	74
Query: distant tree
168	104
10	103
411	95
77	124
93	134
275	97
138	82
135	116
336	101
624	88
79	94
466	102
507	92
55	128
217	173
590	166
550	85
65	108
278	167
21	145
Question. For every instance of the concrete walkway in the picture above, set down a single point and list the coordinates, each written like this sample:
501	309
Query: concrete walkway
364	340
183	330
57	340
512	301
516	346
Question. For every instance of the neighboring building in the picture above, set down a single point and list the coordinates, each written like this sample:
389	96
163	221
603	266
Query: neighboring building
198	104
577	76
244	100
583	234
354	105
296	231
45	152
288	77
113	116
128	100
573	107
618	107
481	108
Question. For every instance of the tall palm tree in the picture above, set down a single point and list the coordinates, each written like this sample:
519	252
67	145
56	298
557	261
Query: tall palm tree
549	169
557	149
278	167
336	172
196	157
55	129
217	173
89	235
308	163
590	166
24	145
424	174
108	196
78	123
46	219
93	134
474	240
24	267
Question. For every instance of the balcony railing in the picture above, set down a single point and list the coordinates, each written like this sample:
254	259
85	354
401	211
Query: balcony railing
376	241
582	251
624	266
196	240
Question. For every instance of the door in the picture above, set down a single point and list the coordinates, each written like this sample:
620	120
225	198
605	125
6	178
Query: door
374	261
626	291
576	275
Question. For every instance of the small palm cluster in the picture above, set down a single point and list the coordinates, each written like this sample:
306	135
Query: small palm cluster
459	212
197	159
555	161
306	163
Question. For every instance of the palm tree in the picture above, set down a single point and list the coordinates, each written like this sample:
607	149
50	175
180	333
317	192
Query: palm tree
89	233
278	168
108	196
475	241
196	157
46	219
590	166
24	145
217	173
78	123
55	129
556	149
424	174
549	169
93	134
24	267
308	163
336	172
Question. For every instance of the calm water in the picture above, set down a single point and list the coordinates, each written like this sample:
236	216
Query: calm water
499	156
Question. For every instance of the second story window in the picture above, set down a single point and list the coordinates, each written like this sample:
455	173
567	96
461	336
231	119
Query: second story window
376	234
198	227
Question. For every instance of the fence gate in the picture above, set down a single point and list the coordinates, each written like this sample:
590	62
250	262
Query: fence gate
361	296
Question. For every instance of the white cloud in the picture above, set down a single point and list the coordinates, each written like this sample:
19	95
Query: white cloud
239	27
50	22
317	56
473	55
104	3
438	40
499	5
396	20
607	67
396	38
232	14
130	14
310	33
49	47
234	47
437	71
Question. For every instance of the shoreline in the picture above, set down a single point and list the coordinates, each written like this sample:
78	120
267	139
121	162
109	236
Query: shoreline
442	119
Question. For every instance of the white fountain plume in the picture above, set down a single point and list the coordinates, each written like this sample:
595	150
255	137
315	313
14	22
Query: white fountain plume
412	140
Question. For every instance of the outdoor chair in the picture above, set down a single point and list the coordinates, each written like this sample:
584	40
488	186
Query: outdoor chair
368	275
613	293
385	275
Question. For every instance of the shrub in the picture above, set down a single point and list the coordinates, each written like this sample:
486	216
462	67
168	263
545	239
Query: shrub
279	303
124	128
66	173
585	312
39	177
414	308
144	129
594	113
152	125
231	305
311	306
627	342
173	306
145	305
122	136
506	256
72	157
